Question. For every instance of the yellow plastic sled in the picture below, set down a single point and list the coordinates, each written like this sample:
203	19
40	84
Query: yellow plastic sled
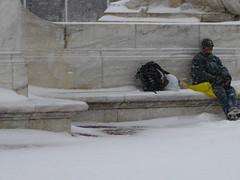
204	87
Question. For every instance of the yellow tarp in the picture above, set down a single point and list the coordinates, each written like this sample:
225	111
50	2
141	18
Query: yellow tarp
205	87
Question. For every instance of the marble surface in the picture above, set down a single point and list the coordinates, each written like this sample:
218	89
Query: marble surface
113	67
40	113
55	125
14	72
224	36
11	25
65	69
99	35
136	113
162	36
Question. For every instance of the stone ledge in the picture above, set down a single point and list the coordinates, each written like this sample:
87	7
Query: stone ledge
40	113
121	95
113	105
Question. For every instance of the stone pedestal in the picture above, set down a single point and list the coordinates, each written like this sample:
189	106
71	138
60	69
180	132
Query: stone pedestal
14	72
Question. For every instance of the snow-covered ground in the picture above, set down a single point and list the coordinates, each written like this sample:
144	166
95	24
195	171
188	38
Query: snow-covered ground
178	148
206	146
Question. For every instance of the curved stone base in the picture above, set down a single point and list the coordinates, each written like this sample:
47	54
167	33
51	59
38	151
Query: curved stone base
129	104
55	125
40	113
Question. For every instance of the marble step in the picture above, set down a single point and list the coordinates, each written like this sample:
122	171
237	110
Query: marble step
159	15
166	17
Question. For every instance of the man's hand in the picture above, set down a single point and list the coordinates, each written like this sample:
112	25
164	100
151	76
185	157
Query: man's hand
224	81
227	82
218	80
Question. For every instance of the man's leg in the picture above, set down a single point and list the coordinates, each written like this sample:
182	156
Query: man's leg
232	97
220	92
233	112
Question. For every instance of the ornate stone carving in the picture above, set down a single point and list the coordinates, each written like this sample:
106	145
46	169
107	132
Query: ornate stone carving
223	6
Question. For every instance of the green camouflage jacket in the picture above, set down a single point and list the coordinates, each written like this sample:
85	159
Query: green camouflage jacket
206	67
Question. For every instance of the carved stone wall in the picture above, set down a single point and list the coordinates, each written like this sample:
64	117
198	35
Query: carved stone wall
228	6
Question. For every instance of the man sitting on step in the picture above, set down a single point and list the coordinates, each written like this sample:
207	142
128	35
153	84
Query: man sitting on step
206	67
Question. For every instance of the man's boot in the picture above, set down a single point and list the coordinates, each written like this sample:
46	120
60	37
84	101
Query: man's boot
233	114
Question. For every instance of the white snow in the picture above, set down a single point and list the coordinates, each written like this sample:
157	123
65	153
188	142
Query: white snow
177	148
112	18
199	147
7	95
187	21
